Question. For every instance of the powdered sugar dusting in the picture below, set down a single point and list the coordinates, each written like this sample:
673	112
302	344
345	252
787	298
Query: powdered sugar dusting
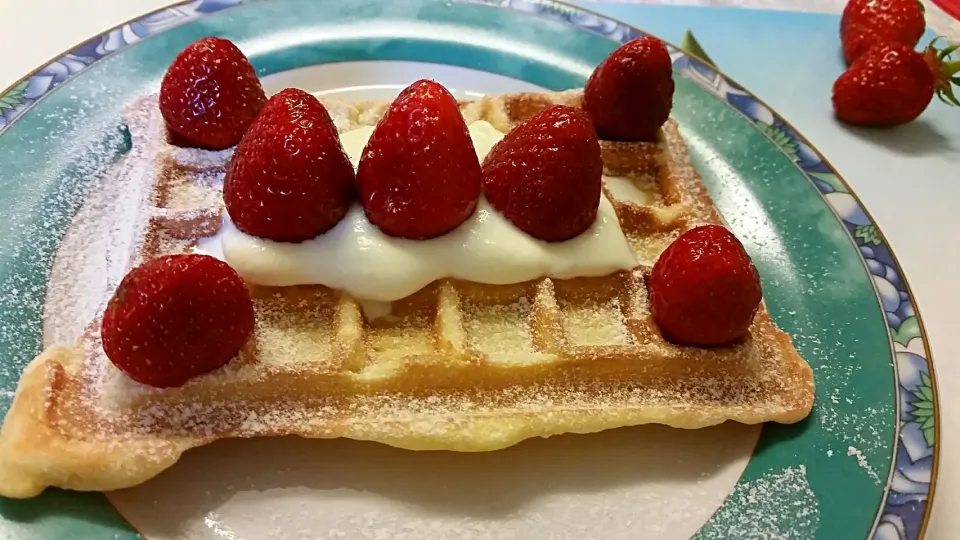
101	243
45	198
779	505
862	462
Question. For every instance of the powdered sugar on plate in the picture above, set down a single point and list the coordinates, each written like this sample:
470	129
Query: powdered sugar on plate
862	462
755	509
43	198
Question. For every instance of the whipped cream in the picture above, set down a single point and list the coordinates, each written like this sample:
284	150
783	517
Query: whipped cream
356	257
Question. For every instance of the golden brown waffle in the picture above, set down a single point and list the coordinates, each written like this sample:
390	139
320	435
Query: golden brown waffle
456	366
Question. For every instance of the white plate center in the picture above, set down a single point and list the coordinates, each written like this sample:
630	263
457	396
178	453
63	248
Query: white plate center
643	482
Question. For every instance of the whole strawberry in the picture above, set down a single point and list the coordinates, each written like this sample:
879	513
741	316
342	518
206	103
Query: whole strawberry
419	175
892	84
210	95
704	289
866	23
289	179
630	94
545	176
176	317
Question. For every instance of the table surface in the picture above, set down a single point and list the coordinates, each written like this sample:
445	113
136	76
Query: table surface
906	177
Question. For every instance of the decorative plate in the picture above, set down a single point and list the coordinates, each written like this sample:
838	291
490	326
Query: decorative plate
862	465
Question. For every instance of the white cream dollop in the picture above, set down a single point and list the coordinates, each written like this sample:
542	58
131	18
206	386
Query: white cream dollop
356	257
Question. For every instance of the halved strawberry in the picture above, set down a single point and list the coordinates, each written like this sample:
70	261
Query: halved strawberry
545	176
289	179
176	317
704	289
419	175
210	94
630	94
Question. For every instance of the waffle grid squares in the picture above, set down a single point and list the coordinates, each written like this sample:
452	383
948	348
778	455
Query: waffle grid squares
533	323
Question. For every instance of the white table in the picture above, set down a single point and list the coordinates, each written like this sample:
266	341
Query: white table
50	29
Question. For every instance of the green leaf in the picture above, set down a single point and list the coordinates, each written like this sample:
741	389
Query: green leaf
908	330
831	180
561	9
924	412
868	234
15	96
691	46
928	433
781	139
947	97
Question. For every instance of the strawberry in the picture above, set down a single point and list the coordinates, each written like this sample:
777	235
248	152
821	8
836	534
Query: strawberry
289	179
419	175
176	317
704	289
210	95
630	94
892	84
545	175
870	22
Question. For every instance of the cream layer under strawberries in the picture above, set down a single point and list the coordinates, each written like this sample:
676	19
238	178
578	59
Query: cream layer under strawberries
356	257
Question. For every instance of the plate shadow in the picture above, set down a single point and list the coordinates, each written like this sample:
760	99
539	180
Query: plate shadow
489	486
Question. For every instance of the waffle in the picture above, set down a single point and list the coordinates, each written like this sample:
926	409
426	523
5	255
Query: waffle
456	366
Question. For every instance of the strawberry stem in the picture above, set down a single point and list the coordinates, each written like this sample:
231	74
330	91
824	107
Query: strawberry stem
944	71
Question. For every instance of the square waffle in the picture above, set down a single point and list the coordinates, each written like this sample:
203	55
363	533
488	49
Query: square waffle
456	366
